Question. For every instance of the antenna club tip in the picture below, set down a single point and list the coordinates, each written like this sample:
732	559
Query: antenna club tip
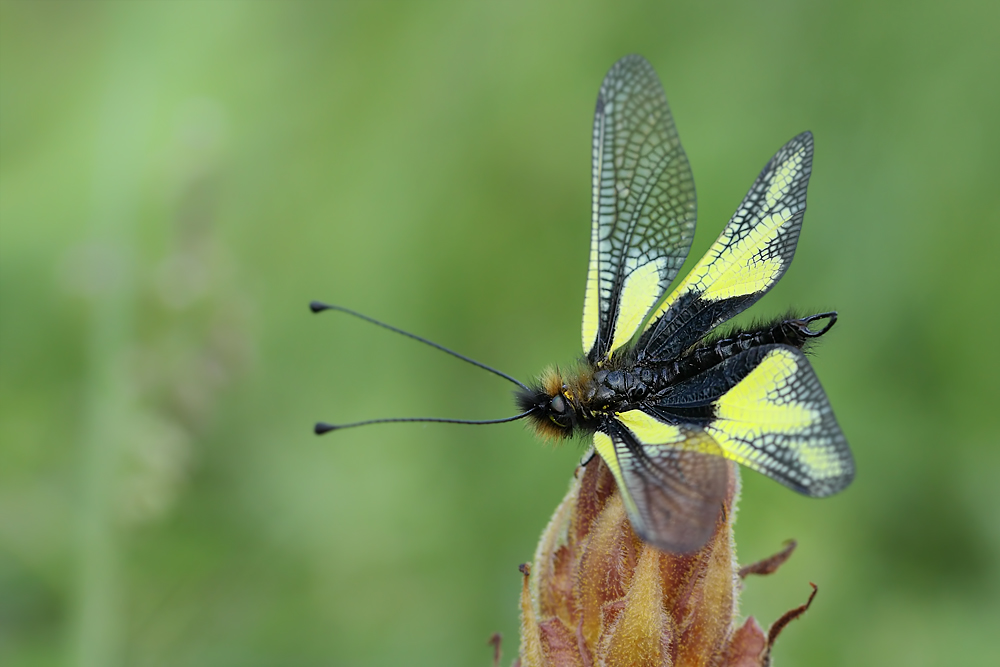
318	306
322	427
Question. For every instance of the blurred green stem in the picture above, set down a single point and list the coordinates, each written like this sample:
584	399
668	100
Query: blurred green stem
125	115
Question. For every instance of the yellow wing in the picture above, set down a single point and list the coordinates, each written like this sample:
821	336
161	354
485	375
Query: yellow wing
753	252
778	421
763	408
643	206
766	410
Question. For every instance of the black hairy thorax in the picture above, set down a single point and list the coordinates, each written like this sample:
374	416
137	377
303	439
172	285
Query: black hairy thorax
581	402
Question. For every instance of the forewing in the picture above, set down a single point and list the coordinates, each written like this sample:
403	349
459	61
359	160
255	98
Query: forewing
753	252
673	492
643	206
769	413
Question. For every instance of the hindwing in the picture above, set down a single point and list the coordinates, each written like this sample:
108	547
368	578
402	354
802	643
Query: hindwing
752	253
769	413
672	491
643	206
764	409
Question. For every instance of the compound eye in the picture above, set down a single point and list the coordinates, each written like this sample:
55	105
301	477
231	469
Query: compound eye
557	404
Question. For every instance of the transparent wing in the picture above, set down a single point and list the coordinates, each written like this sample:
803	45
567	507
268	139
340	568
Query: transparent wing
753	252
768	412
643	206
673	493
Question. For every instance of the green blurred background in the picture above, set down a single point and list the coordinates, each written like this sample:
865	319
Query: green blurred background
179	179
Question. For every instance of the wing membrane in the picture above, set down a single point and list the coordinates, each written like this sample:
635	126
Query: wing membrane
771	415
643	206
753	252
672	492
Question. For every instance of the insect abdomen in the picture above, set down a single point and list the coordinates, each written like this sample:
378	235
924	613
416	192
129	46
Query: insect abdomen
787	331
616	388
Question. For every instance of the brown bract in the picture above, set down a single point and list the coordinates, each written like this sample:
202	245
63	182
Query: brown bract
596	595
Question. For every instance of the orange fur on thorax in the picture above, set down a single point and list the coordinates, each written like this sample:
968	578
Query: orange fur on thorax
573	388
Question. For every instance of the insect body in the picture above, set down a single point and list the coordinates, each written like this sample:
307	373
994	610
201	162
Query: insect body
560	409
664	402
664	405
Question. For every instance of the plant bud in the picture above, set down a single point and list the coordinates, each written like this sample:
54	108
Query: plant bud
596	595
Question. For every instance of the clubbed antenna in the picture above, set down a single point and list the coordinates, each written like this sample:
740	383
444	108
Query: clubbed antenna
323	427
318	307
